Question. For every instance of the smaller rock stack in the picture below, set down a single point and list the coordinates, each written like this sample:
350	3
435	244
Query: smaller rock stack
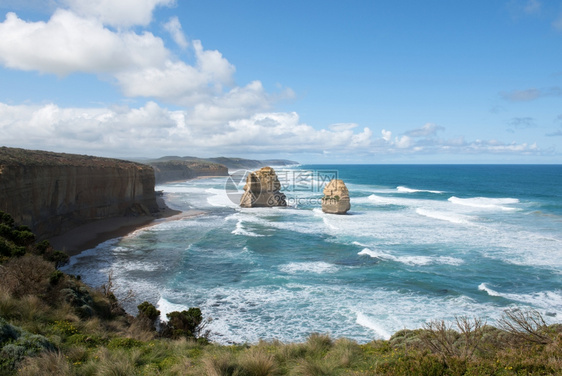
262	189
336	198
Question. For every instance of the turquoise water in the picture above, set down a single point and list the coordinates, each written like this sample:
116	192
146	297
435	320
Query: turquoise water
420	243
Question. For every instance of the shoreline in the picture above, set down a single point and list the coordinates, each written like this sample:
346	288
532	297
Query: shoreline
90	235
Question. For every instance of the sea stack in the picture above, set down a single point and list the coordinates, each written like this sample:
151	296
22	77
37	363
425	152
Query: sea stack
336	198
262	189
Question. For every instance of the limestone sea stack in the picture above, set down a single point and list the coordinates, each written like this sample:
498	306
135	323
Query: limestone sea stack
336	198
262	189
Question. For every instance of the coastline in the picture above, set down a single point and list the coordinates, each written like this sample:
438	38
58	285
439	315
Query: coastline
91	234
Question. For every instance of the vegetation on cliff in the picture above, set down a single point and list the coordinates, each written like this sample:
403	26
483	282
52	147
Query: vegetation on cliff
174	170
25	157
229	162
53	324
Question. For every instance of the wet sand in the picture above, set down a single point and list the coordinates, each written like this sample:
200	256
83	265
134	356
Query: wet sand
91	234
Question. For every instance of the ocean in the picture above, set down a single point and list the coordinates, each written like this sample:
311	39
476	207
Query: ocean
420	243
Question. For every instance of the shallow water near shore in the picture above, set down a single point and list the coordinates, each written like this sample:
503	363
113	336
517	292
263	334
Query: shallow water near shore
420	243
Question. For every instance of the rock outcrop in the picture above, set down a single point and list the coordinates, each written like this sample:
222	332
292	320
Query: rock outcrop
54	192
262	189
175	170
336	198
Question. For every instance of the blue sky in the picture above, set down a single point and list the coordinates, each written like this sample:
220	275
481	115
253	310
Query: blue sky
313	81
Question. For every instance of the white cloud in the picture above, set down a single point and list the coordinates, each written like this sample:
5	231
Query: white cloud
178	82
140	63
152	130
174	28
403	142
120	13
343	126
68	43
386	135
219	116
240	102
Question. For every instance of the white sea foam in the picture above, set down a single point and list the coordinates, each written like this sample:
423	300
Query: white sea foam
359	244
383	200
165	307
484	287
444	216
403	189
240	230
413	260
548	300
369	323
219	198
317	267
486	203
249	314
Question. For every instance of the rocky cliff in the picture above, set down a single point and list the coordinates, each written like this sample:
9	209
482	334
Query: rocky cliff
262	189
336	198
54	192
174	170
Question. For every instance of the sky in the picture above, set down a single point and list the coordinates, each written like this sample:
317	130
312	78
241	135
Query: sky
314	81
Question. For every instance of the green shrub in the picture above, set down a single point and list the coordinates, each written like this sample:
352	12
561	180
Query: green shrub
5	249
78	297
24	237
6	231
148	310
17	344
18	251
57	257
42	246
183	324
55	277
6	219
8	332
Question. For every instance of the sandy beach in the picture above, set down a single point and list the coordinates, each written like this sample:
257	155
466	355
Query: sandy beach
91	234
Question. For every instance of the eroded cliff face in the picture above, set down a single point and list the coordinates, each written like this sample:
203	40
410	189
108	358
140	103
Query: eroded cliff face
336	198
262	189
54	192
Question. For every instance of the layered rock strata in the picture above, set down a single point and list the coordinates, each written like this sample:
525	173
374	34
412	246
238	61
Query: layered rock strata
336	198
54	192
262	189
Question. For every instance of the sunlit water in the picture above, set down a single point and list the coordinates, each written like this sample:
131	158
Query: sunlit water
420	243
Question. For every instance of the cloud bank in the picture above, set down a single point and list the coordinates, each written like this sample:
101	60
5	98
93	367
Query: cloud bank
155	128
216	115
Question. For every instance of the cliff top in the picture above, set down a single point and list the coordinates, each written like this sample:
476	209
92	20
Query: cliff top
229	162
188	163
24	157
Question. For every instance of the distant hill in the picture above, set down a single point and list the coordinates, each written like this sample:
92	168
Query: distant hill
230	163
